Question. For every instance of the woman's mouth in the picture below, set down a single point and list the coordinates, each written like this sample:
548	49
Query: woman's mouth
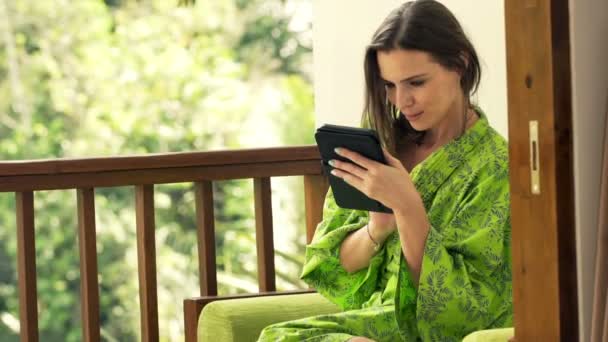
413	117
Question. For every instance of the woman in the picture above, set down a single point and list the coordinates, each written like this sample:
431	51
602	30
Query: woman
439	267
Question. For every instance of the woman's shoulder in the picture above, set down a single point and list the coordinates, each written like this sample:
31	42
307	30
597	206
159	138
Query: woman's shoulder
495	146
492	147
489	159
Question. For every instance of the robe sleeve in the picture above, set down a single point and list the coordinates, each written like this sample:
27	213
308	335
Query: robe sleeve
465	280
322	268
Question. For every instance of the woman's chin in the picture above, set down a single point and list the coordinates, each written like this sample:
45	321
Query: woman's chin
419	128
416	120
419	125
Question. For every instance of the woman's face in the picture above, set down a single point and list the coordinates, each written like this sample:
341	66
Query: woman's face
424	91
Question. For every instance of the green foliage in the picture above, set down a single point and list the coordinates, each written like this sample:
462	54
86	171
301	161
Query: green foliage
101	78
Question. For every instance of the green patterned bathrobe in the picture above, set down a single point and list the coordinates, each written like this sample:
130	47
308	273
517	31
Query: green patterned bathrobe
465	281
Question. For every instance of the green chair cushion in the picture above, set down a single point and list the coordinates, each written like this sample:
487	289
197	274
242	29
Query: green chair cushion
492	335
243	319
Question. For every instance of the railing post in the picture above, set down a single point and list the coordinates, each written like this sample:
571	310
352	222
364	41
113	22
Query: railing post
315	188
88	265
26	267
263	236
205	221
146	262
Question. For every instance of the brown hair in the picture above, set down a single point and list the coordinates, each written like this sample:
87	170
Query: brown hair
424	25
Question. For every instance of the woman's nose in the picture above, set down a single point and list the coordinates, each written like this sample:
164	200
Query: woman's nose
404	99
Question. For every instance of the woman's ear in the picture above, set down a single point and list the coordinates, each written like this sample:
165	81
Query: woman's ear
464	57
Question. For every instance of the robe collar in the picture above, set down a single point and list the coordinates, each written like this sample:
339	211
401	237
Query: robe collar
436	169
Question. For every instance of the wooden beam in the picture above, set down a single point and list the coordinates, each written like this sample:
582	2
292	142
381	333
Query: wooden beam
158	176
26	267
263	236
89	285
146	262
315	189
205	219
544	262
243	157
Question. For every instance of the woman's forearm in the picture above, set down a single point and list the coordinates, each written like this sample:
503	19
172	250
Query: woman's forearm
413	226
357	249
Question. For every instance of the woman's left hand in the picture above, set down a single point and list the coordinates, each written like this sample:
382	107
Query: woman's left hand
389	184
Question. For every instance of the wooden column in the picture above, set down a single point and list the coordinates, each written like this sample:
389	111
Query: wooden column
543	227
315	189
26	267
205	221
263	237
146	257
89	286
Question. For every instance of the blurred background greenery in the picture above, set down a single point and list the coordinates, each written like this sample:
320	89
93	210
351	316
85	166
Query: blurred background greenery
82	78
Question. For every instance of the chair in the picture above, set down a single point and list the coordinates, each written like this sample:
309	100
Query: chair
242	317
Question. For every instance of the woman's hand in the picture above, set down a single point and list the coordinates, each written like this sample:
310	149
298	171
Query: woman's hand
392	186
381	225
360	339
389	184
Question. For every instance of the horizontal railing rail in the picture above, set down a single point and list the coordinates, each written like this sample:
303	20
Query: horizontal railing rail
152	169
143	172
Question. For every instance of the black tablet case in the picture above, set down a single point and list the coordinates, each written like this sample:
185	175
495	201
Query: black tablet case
361	140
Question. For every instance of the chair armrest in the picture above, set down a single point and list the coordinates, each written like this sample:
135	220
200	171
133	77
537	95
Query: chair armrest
193	307
491	335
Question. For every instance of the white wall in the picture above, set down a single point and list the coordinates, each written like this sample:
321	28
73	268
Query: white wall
588	32
342	29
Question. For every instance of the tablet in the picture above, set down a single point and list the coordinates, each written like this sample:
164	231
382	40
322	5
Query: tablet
361	140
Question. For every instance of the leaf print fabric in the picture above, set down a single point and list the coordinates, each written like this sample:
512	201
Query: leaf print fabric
465	280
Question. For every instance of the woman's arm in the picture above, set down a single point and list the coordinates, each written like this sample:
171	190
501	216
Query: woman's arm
322	268
358	248
392	186
413	226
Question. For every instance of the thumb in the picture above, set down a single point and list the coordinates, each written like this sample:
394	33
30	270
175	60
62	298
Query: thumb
390	160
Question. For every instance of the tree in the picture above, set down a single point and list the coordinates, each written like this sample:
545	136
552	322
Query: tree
123	77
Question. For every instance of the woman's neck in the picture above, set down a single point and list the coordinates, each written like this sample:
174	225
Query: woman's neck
454	124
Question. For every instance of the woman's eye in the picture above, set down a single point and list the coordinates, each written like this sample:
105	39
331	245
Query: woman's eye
417	83
389	85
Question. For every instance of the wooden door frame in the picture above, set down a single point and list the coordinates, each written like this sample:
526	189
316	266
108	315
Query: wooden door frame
543	226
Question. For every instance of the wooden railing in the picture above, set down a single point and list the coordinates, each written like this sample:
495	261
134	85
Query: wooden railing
143	172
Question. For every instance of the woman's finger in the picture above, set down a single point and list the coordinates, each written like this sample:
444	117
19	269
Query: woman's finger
349	178
348	167
390	160
356	158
